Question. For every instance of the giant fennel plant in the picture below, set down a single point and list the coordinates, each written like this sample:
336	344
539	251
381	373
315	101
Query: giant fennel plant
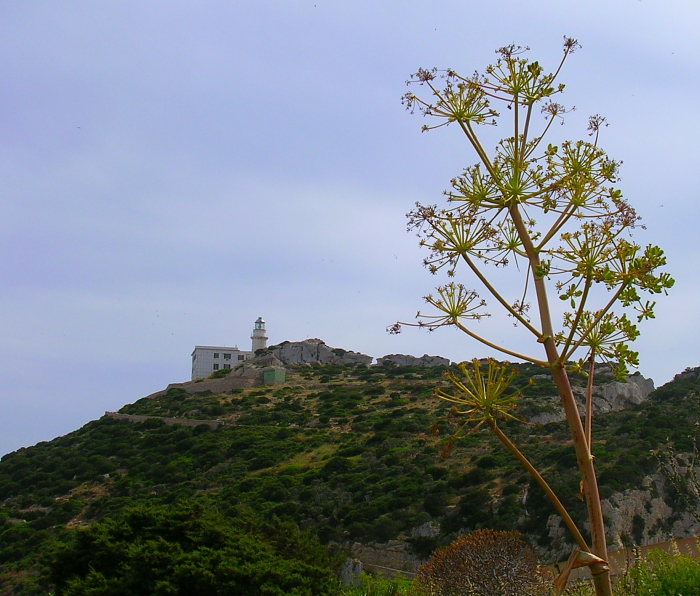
555	213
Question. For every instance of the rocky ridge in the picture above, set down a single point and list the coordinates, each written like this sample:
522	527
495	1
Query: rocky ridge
611	396
405	360
315	351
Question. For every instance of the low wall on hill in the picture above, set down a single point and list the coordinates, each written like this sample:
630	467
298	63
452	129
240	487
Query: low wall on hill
213	424
223	385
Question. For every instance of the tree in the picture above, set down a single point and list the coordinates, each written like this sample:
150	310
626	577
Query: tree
483	563
189	550
555	213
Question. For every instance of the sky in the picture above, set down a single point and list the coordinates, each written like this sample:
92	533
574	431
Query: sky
171	170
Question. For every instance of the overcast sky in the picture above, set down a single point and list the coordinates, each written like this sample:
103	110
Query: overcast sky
171	170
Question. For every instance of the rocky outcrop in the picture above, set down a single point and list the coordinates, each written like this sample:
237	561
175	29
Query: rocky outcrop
405	360
615	396
264	360
429	529
608	397
350	572
315	351
640	516
688	373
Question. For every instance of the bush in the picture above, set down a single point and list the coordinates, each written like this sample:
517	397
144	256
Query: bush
218	374
663	575
378	586
483	563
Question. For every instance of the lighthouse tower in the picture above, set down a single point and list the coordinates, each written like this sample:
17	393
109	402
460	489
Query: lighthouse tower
259	336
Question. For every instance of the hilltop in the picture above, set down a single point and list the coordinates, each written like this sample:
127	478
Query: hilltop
352	452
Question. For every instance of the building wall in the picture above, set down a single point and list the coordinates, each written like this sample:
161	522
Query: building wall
209	359
274	375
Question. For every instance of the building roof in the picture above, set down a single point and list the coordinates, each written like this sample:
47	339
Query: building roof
222	348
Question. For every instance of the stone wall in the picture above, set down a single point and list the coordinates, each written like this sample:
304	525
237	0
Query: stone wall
394	556
213	424
244	376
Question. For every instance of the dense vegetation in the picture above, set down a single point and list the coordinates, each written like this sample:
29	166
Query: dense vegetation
351	453
188	549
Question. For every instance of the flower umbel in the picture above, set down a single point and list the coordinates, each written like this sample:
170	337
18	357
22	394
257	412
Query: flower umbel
481	397
454	302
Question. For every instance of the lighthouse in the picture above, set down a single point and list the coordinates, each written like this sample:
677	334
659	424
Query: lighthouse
259	336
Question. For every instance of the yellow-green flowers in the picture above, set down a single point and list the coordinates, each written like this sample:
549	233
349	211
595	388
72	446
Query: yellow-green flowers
481	397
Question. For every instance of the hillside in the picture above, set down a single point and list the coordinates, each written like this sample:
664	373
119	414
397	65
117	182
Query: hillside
351	452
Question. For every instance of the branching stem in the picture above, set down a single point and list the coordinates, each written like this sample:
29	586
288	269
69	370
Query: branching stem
498	296
486	342
579	314
599	315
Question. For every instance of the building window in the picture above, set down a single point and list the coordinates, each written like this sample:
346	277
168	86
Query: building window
227	366
227	356
216	367
241	357
194	357
216	354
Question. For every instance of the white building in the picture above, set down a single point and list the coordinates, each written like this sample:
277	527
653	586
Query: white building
208	359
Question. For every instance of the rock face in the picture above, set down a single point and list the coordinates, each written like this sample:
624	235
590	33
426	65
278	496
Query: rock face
266	360
350	572
636	516
405	360
618	396
608	397
315	351
639	515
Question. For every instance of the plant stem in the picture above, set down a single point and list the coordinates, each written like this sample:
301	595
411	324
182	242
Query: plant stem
543	484
497	347
601	572
589	403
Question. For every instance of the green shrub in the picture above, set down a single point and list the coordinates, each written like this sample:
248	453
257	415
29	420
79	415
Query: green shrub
218	374
378	586
662	575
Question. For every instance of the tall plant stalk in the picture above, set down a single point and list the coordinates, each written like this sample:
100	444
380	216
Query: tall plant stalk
554	212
